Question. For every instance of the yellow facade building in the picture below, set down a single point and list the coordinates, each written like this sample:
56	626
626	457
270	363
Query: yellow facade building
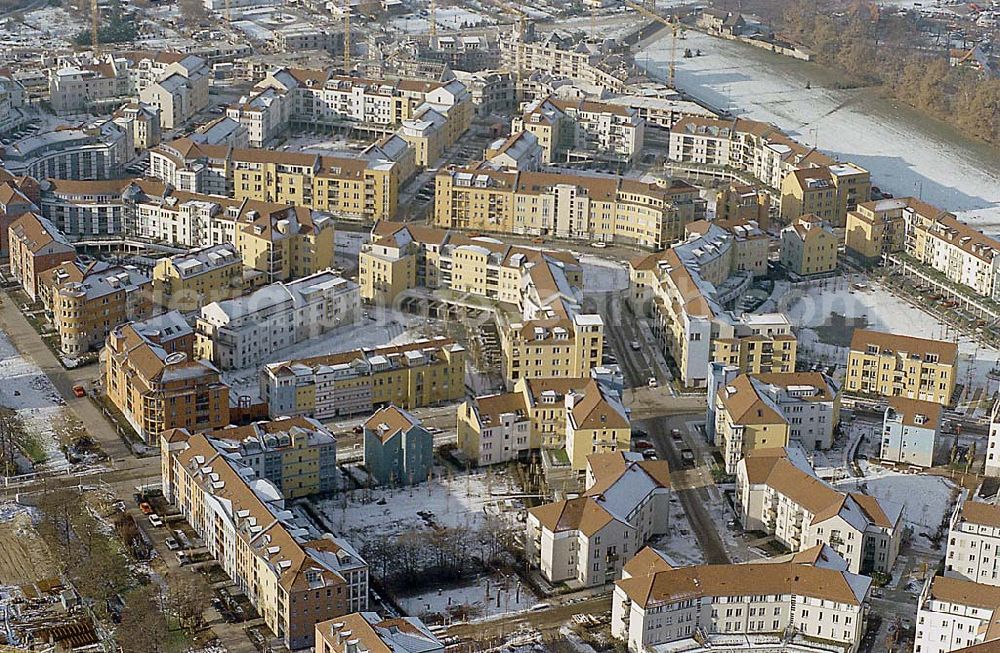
829	192
889	365
600	207
423	373
809	246
875	228
186	282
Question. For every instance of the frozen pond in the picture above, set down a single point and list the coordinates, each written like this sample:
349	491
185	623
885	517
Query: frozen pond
906	155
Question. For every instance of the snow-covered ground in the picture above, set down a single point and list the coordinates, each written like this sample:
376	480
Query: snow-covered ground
680	542
39	407
487	597
926	500
386	329
458	501
603	275
905	155
810	305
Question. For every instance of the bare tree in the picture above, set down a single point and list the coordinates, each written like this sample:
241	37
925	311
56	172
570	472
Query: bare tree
143	628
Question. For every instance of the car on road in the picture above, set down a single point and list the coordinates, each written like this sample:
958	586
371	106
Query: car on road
687	456
649	454
652	382
599	244
155	520
675	435
539	606
635	345
146	508
639	445
79	391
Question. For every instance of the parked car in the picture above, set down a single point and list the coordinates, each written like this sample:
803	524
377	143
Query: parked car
649	454
155	520
79	391
635	345
599	244
687	456
675	435
652	382
146	508
172	544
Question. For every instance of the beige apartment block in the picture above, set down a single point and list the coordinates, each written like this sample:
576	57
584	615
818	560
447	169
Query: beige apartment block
778	492
89	301
809	246
293	580
35	246
151	376
568	346
956	615
753	604
874	229
570	130
586	541
888	365
186	282
829	192
600	207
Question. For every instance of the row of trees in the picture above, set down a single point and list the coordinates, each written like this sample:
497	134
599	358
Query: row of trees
100	564
874	49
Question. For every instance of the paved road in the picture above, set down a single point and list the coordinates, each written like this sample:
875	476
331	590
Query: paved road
30	344
636	370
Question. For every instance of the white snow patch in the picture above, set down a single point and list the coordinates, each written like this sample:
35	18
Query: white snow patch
487	597
603	275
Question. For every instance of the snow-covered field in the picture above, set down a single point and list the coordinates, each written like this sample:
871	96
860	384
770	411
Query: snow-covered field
680	543
487	597
810	305
39	407
603	275
905	155
458	501
927	500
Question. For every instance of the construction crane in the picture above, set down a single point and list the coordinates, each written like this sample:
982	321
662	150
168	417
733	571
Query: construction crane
434	29
522	20
95	20
347	37
675	26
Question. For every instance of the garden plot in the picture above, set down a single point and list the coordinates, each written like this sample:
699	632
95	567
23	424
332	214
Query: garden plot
488	597
38	407
927	500
447	501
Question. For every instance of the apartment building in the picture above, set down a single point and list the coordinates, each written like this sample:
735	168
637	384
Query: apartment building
585	541
92	86
953	614
973	538
828	192
911	432
143	120
13	101
294	576
247	331
777	492
350	187
519	151
744	203
582	130
98	150
186	282
297	454
398	450
367	631
600	207
17	197
745	607
266	115
561	56
85	209
805	179
157	387
964	255
992	467
89	300
874	229
762	411
179	91
686	289
809	247
582	416
659	106
565	345
888	365
34	245
422	373
221	131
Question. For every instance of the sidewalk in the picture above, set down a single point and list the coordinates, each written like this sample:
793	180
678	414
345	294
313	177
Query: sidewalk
30	344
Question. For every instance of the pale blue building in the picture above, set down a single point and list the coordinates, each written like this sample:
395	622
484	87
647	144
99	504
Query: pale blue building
398	450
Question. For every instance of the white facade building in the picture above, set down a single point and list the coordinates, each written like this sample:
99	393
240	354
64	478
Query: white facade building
974	543
243	332
953	614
